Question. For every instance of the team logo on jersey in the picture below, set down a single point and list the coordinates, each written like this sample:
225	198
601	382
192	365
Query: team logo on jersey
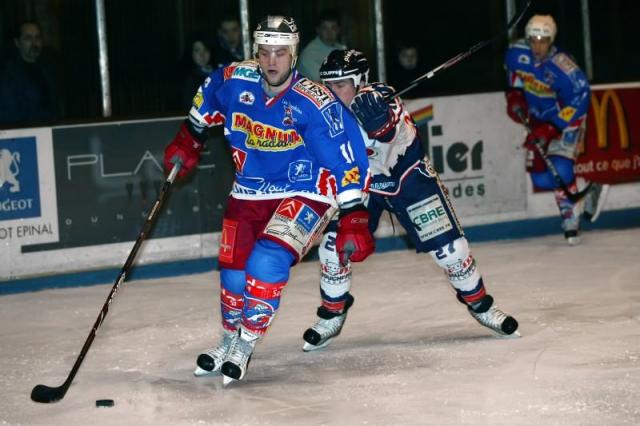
288	119
246	73
239	157
524	59
198	99
567	113
317	94
264	137
300	170
19	181
307	218
247	98
290	208
351	176
333	116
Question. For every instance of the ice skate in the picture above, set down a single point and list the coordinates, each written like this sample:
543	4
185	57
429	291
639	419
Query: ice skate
209	362
571	226
488	314
327	327
594	201
239	356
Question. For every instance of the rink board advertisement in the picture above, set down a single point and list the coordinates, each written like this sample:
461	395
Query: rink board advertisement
74	198
28	206
475	151
611	151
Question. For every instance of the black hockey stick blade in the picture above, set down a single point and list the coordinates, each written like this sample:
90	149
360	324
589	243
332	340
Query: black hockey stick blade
47	394
461	56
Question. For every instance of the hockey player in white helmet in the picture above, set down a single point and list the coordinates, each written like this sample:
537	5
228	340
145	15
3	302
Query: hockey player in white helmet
404	183
288	136
550	94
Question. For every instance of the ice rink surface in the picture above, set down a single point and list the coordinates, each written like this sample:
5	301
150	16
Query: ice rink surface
409	352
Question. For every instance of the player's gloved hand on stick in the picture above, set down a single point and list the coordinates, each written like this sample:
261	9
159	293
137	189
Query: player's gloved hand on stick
354	240
187	148
542	134
373	113
516	105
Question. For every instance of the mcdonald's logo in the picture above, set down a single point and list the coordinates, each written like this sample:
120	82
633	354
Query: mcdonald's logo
601	116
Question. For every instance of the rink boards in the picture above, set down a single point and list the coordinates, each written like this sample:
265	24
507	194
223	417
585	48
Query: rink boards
73	198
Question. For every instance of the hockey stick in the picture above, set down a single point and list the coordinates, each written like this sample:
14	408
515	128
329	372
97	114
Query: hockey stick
573	196
461	56
47	394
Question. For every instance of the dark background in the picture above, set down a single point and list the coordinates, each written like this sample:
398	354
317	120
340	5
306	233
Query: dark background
146	42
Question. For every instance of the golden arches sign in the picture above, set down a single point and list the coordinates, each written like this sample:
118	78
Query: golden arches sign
601	116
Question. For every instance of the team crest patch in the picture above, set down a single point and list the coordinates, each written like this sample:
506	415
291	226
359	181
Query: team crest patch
300	171
198	99
333	116
307	218
290	208
524	59
247	98
288	119
351	176
239	157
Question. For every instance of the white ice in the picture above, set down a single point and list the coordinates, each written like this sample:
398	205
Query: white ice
409	353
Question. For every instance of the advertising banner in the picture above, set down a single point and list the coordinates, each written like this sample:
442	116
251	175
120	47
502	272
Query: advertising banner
475	149
611	152
109	175
28	206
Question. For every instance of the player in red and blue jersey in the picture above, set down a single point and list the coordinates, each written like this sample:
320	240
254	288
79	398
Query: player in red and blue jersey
298	157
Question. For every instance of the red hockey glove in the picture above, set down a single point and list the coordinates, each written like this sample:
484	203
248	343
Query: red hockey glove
187	148
516	105
354	241
542	134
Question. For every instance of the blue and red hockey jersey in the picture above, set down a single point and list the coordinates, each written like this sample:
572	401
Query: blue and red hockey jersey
293	144
556	89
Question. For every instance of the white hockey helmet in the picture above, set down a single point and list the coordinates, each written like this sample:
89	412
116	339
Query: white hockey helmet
541	26
277	30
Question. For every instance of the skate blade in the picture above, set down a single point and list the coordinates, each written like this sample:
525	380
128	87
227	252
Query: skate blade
515	335
601	200
226	380
200	372
308	347
573	241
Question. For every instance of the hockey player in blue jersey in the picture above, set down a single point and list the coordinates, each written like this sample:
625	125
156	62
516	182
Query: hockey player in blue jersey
297	159
404	183
550	94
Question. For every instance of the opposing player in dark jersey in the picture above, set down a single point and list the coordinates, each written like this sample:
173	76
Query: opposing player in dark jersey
404	183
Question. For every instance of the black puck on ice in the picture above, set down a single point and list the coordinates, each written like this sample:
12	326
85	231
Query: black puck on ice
105	403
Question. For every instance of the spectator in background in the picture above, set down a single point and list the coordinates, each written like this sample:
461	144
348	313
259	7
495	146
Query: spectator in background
28	93
229	48
406	68
327	40
198	58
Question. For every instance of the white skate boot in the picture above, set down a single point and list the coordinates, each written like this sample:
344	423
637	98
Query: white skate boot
209	362
238	358
594	201
327	327
488	314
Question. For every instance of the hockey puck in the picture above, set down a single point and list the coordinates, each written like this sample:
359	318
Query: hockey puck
105	403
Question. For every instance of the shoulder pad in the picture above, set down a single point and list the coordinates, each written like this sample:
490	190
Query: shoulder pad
318	94
245	70
564	62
